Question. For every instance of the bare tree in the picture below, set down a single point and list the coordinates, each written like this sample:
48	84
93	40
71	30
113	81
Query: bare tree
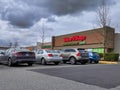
10	44
42	34
16	44
103	14
45	32
103	20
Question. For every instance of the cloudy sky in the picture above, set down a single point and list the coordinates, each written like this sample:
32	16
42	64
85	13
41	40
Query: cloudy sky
22	21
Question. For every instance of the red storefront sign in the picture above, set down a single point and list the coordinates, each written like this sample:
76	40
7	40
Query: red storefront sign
74	38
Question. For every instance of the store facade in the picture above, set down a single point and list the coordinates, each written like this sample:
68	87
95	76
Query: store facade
97	40
46	45
117	43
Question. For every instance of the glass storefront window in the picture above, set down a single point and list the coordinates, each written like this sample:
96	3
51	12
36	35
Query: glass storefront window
99	50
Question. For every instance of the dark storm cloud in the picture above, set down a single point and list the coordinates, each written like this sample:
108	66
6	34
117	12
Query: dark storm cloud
4	42
24	20
51	19
62	7
24	13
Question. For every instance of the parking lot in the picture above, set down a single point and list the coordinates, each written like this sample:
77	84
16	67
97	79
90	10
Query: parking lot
60	77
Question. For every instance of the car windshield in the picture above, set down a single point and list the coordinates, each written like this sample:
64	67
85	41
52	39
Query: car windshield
82	51
2	50
58	51
51	51
20	49
95	53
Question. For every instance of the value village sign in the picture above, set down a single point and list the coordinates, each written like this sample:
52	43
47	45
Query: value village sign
74	40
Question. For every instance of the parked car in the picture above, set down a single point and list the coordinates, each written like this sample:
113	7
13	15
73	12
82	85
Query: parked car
47	56
94	57
2	52
59	51
74	55
119	58
17	56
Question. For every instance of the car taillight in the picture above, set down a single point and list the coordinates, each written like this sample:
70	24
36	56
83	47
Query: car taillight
60	55
50	55
78	54
33	54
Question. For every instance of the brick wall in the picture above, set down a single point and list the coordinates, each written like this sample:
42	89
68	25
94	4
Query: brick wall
117	43
94	39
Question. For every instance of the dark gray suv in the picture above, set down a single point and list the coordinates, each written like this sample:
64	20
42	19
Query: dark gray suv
74	55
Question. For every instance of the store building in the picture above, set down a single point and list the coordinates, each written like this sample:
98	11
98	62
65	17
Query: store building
31	48
117	43
4	47
39	45
46	45
97	40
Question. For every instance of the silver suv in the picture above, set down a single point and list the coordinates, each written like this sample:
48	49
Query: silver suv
75	55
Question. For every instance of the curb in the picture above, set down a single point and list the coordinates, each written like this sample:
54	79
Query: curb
107	62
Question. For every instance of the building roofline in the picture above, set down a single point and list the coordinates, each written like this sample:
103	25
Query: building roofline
84	31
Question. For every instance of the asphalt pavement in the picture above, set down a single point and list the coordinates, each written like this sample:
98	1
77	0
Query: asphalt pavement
53	77
105	76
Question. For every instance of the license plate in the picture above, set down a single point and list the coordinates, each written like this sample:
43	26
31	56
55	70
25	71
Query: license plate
55	55
26	54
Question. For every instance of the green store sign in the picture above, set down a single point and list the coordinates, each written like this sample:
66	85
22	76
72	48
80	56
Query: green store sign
47	46
83	42
74	43
99	50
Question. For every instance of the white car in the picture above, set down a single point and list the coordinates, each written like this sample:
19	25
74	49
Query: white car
119	58
47	56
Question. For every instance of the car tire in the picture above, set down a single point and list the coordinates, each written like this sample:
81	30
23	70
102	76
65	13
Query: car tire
72	60
56	63
83	63
10	62
43	62
30	64
64	61
96	62
90	61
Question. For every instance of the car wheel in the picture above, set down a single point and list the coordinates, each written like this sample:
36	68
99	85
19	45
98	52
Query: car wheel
10	62
83	63
43	62
90	61
72	60
64	61
96	62
56	63
30	64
